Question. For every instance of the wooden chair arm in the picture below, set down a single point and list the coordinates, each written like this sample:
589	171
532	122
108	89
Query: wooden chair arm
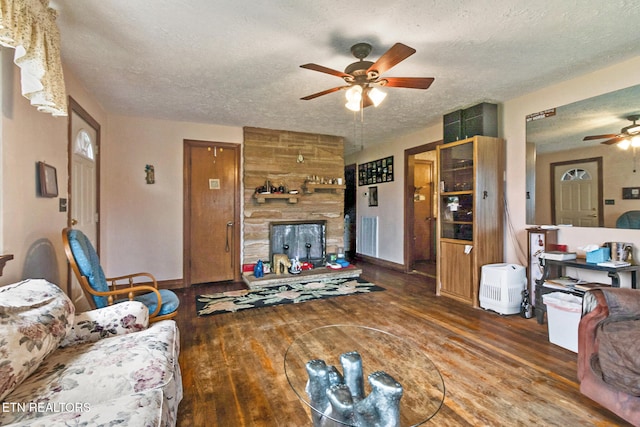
130	278
130	292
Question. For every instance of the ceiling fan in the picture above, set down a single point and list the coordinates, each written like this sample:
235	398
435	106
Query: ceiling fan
363	77
625	133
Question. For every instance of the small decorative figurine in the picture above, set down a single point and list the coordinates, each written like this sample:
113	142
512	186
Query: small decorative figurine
258	272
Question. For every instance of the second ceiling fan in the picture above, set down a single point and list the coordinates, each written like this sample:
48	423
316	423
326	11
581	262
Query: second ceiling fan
363	78
625	133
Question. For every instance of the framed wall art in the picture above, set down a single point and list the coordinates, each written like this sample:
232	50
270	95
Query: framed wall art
48	178
376	172
373	196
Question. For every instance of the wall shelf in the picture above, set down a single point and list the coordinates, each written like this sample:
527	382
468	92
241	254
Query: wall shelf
312	188
262	198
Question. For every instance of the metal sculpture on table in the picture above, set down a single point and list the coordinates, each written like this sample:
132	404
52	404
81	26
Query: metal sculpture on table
338	399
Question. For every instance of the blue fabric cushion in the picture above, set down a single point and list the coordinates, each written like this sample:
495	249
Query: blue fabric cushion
170	301
89	264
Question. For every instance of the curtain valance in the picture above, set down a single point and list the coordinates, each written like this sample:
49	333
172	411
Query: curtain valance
29	26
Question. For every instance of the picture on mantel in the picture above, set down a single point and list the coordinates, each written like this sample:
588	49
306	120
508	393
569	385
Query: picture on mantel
376	172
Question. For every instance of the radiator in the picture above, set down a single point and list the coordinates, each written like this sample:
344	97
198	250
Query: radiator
369	236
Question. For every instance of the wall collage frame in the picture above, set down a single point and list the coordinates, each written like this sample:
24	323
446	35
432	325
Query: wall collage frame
376	172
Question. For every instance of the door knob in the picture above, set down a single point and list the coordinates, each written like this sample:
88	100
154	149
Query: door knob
74	221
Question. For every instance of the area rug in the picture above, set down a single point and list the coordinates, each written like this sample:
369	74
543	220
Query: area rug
289	293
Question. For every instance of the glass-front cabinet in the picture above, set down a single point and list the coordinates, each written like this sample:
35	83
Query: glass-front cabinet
456	191
470	206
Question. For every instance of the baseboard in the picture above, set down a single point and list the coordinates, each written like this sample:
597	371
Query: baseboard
381	262
171	284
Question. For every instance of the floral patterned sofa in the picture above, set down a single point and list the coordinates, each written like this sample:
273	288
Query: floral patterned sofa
101	367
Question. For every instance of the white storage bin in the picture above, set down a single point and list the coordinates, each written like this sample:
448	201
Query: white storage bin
501	287
563	317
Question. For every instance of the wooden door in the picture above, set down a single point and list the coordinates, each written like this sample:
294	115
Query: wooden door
423	210
212	236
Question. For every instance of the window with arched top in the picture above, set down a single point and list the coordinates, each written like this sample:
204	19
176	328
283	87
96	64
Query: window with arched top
576	174
83	145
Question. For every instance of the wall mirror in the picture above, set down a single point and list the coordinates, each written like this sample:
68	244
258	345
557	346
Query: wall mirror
559	180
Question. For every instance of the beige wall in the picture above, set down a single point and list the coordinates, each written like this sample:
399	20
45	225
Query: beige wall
142	227
390	209
30	223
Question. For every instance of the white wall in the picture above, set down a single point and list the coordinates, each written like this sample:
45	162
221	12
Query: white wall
142	223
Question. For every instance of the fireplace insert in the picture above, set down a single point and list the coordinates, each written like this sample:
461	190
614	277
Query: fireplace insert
305	240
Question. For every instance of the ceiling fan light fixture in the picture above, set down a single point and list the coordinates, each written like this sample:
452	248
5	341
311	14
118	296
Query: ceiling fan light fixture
635	141
633	130
376	96
624	144
354	98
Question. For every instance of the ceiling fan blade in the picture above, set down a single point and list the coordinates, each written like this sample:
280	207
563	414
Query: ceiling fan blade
613	140
398	53
324	92
592	137
408	82
320	68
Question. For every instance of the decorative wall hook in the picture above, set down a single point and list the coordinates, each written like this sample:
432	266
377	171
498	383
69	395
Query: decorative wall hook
151	175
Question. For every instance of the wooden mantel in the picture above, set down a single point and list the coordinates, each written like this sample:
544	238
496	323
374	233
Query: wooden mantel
3	260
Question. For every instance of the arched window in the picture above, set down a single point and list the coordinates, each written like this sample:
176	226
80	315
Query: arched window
576	174
83	145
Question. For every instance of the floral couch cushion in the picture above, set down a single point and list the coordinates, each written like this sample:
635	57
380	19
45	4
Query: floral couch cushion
35	316
96	372
118	319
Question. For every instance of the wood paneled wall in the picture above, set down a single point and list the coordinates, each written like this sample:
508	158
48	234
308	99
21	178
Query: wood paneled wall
273	155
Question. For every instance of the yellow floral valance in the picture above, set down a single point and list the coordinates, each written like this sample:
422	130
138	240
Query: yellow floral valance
29	27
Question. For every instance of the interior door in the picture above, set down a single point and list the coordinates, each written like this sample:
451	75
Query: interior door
211	212
84	167
423	220
576	193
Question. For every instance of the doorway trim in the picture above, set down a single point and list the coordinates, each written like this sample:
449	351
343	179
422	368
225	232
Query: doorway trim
408	200
564	164
75	107
186	207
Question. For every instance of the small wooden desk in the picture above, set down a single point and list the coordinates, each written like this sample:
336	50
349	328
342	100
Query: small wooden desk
555	268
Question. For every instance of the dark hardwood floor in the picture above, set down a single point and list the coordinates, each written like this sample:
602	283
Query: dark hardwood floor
498	370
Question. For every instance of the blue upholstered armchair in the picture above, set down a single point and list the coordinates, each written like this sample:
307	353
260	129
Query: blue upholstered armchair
84	261
629	219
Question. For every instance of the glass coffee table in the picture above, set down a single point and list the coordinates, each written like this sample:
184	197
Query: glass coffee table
393	361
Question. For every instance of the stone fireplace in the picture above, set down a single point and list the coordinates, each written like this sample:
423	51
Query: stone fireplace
287	159
304	240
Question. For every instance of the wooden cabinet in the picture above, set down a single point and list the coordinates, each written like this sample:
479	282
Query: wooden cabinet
471	219
481	119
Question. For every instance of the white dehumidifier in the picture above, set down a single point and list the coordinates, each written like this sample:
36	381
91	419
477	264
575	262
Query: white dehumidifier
501	287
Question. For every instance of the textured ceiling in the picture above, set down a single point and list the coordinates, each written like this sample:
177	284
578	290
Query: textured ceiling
237	62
